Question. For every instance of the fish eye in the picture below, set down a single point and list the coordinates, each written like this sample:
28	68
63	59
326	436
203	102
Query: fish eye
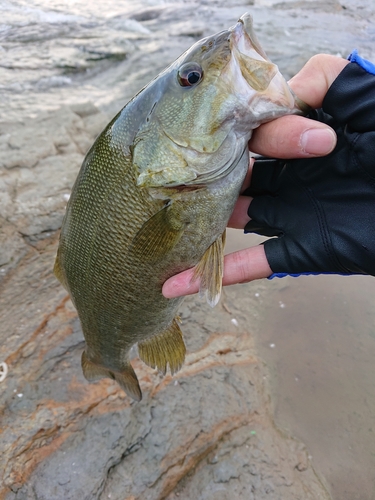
189	74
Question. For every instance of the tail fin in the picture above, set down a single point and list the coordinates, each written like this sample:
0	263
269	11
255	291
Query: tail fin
127	379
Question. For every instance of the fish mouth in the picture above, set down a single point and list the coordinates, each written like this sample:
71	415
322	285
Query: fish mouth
244	38
261	79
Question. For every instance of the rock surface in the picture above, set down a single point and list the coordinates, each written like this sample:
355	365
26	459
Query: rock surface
39	161
205	433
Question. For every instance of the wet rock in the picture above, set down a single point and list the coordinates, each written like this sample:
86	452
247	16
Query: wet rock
84	109
39	161
46	135
12	245
204	433
320	6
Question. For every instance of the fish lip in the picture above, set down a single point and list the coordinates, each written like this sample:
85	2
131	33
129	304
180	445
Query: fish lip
244	42
238	31
243	38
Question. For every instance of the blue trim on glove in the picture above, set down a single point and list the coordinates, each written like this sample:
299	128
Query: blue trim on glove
366	65
282	275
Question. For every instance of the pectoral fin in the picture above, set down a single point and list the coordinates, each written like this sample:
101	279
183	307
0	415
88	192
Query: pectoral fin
127	379
159	235
58	272
163	349
210	270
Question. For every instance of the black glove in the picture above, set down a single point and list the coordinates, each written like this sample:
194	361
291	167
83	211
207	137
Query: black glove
322	210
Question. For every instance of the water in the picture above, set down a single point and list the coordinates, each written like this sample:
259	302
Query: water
54	52
322	330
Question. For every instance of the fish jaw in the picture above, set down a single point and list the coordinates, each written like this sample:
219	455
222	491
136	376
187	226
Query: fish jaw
259	84
195	136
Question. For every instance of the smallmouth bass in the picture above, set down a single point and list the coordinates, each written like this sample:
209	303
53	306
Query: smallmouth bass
154	195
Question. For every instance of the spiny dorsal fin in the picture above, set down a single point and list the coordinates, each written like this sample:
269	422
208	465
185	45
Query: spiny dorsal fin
210	270
127	379
158	235
163	349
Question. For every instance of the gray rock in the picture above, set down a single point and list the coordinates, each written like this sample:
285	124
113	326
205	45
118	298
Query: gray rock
39	161
205	433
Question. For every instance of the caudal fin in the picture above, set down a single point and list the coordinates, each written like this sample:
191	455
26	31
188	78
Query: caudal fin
127	379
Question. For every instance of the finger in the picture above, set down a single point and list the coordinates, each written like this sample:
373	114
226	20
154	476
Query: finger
293	137
298	137
313	81
247	180
239	217
239	267
246	265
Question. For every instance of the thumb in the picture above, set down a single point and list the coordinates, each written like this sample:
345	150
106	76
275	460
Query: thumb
313	81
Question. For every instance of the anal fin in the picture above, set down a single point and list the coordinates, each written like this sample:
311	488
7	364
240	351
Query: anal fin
209	271
163	349
127	379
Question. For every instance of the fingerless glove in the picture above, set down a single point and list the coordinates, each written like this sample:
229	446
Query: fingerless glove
321	211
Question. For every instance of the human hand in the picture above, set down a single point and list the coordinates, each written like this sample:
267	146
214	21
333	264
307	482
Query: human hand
287	137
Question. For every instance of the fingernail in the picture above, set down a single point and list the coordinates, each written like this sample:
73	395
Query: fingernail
318	141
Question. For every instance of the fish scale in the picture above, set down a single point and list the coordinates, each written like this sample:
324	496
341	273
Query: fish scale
153	198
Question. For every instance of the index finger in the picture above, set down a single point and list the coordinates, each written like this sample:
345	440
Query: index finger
296	136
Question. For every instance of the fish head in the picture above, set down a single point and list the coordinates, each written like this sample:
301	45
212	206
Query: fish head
209	101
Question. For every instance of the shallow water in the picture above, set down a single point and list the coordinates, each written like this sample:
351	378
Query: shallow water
317	334
54	52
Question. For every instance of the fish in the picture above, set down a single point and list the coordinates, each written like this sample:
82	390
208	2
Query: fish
154	195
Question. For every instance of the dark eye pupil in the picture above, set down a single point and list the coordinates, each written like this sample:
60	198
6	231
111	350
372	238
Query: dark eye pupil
189	74
193	77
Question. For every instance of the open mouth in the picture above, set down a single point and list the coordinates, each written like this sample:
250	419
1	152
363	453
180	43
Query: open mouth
257	70
244	38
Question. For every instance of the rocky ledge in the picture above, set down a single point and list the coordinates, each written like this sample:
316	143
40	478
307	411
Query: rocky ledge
206	433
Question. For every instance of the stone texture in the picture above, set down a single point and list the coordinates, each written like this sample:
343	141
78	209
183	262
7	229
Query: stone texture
205	433
39	161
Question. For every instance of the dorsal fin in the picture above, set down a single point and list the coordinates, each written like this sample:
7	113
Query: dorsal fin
57	270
